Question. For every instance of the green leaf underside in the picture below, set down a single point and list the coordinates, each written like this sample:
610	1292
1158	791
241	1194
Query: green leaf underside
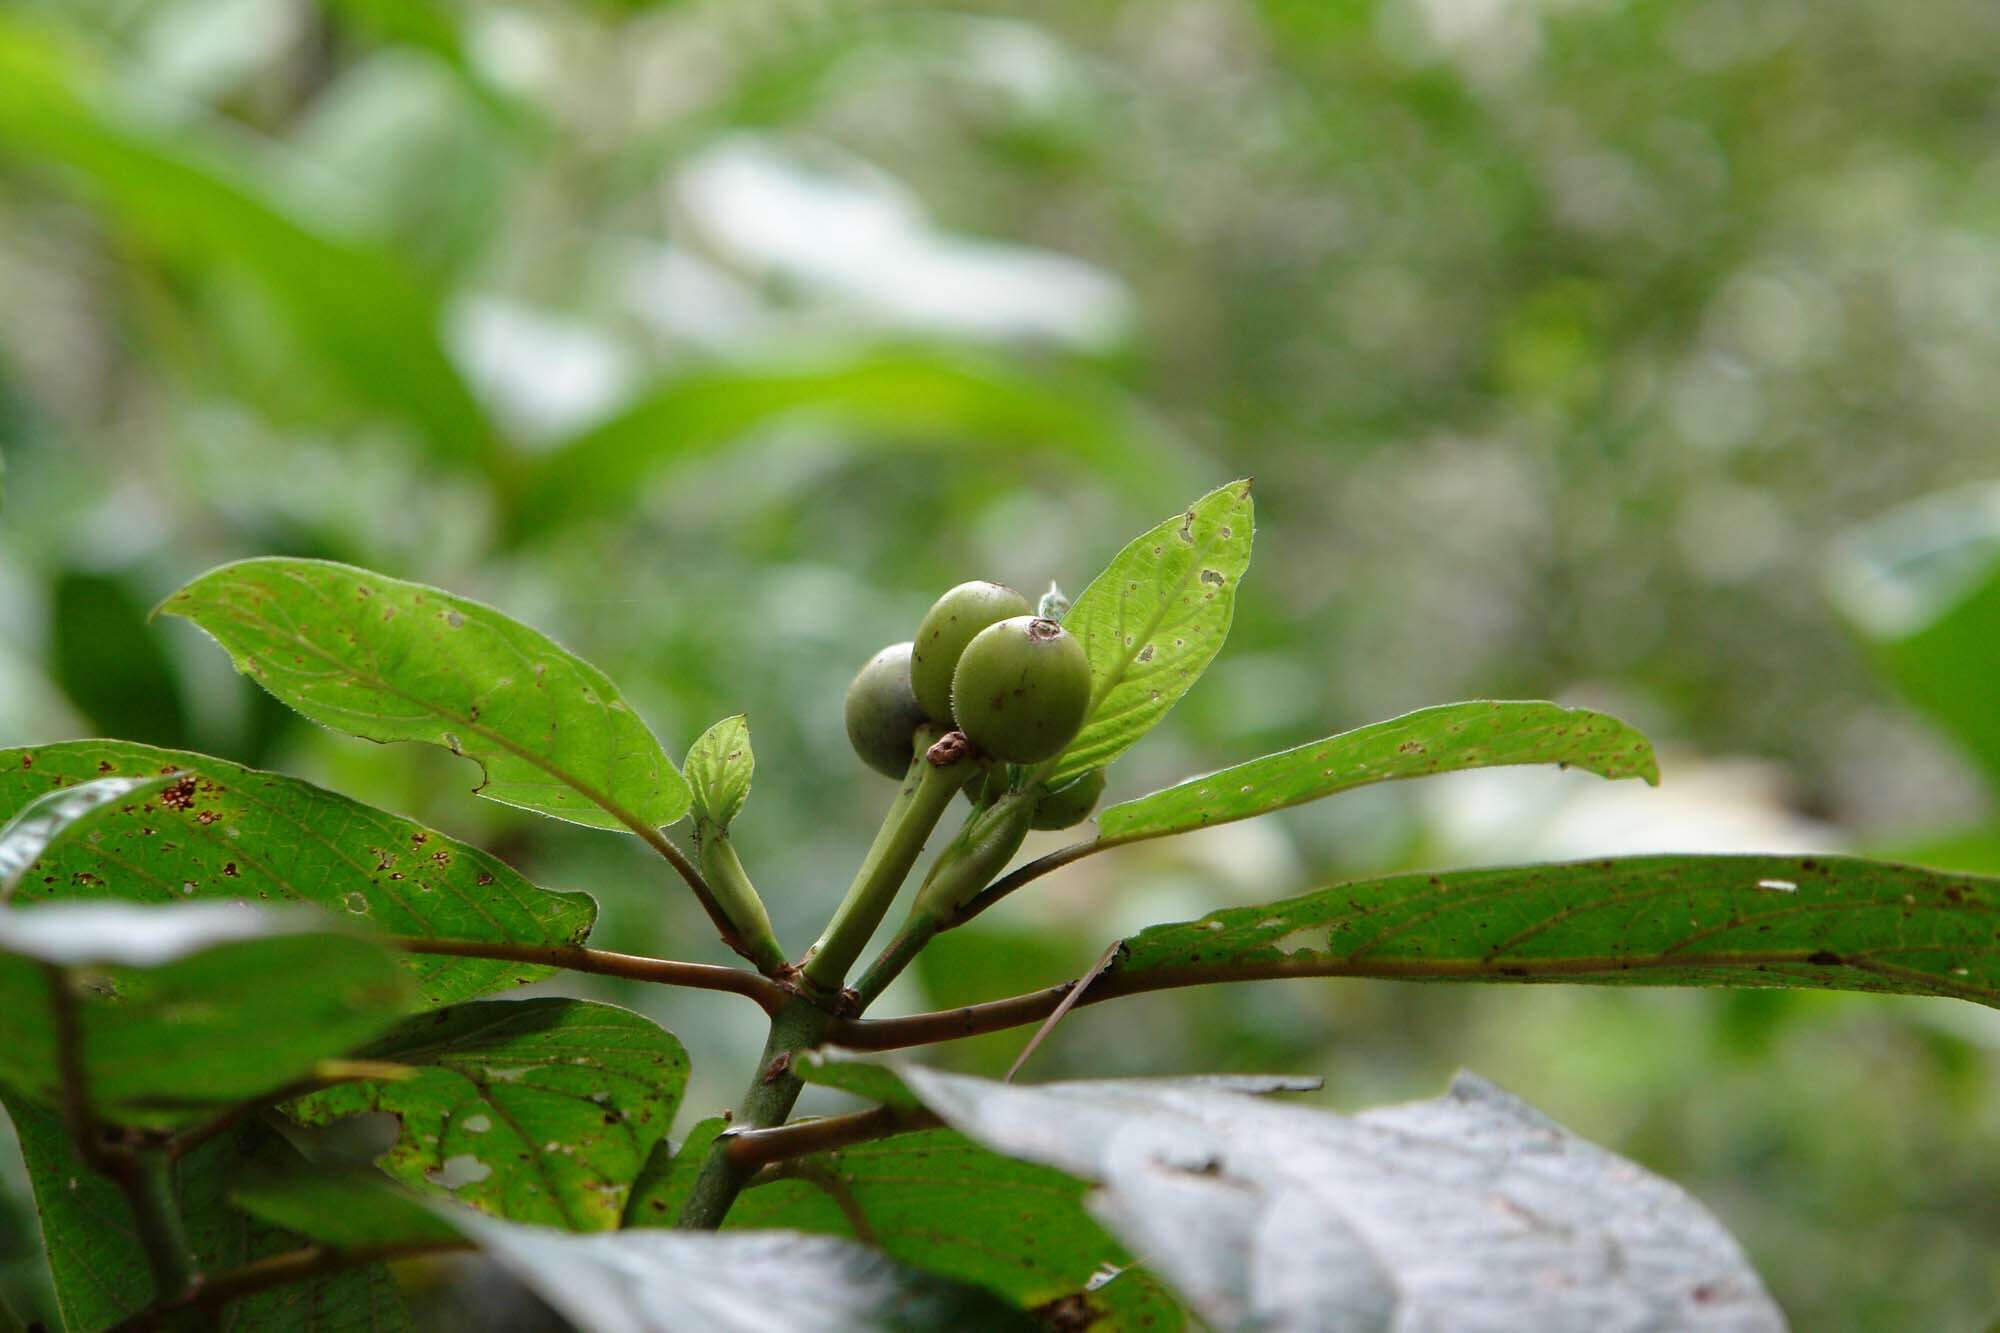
171	1044
392	661
101	1275
1153	620
1479	734
538	1111
221	831
668	1177
55	817
939	1202
1471	1211
719	767
1827	922
653	1280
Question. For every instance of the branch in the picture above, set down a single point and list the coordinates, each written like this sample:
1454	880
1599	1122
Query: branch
1021	876
934	777
769	995
750	1149
279	1270
888	1034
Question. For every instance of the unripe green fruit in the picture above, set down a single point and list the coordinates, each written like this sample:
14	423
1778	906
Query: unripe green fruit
1071	803
945	630
883	713
1021	689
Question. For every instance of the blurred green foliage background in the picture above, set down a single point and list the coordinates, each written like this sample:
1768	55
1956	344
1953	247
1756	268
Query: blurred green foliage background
1632	352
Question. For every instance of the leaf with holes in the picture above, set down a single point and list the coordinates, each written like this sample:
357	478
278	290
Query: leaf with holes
1153	621
1471	1212
535	1110
1826	922
720	765
1481	734
55	817
183	1011
217	830
395	661
937	1201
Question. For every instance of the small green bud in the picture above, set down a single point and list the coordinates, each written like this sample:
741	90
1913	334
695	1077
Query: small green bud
945	630
1071	803
1021	689
882	712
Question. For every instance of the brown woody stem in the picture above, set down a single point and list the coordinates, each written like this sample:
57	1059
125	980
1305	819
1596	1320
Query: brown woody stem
769	995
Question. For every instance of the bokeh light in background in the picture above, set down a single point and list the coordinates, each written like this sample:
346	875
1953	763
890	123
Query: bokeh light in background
1631	353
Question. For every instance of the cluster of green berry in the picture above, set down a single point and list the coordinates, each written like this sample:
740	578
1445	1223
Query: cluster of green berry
1015	683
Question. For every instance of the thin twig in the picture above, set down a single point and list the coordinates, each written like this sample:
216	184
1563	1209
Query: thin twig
886	1034
279	1270
768	994
750	1149
1022	875
138	1164
1069	1002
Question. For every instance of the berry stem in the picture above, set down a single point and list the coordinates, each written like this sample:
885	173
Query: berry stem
935	775
737	897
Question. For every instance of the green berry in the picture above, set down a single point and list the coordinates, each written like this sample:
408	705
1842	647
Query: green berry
1071	803
945	630
882	712
1021	689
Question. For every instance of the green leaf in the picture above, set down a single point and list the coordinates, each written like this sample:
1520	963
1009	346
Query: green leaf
1472	1211
907	396
654	1280
184	184
53	818
101	1275
1480	734
394	661
110	663
937	1201
719	766
222	831
1153	621
668	1178
534	1110
1828	922
182	1011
